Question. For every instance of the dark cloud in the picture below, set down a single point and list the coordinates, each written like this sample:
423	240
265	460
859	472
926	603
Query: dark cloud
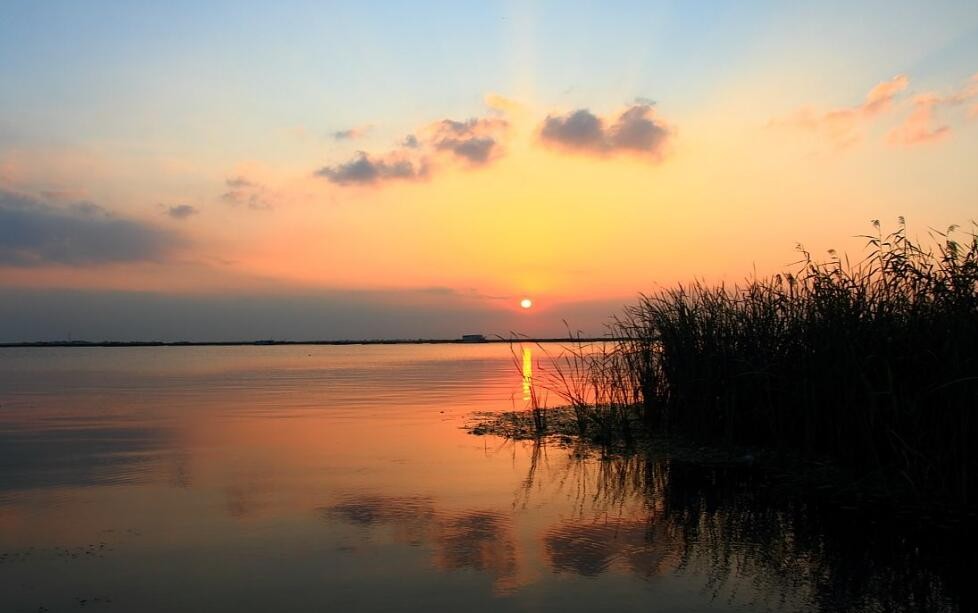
63	195
580	129
238	182
636	130
34	233
181	211
461	128
362	169
474	140
410	142
87	209
476	149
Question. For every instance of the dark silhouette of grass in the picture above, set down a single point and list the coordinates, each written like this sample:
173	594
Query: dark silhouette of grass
872	365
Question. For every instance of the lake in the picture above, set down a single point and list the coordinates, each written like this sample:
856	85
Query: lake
309	478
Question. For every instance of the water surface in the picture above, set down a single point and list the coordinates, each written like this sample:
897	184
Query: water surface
328	478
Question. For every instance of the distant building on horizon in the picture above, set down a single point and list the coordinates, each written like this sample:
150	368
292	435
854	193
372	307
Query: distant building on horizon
473	338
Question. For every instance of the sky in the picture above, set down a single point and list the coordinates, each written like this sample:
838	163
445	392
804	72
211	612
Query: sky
350	170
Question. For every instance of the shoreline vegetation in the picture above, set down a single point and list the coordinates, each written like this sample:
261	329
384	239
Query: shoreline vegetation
870	368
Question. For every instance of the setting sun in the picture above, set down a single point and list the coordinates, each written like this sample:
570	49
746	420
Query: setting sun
526	303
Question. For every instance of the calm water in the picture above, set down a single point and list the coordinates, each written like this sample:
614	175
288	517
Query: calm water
328	478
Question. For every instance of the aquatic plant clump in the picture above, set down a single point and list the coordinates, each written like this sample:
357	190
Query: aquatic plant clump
873	365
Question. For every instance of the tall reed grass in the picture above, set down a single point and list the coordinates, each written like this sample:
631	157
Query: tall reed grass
873	364
593	380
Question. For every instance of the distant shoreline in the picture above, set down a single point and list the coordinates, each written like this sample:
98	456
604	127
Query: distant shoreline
420	341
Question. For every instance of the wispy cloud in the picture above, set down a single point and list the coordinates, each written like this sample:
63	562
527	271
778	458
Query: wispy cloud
351	133
637	130
246	193
503	105
842	125
922	124
181	211
38	233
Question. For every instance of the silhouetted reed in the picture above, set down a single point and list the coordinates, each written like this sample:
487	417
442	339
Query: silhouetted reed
874	365
593	380
871	365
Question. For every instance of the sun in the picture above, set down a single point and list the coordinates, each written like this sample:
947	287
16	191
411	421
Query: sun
526	303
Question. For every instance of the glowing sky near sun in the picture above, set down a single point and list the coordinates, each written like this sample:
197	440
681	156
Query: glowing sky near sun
416	169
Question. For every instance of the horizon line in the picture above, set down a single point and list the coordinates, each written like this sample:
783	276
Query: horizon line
242	343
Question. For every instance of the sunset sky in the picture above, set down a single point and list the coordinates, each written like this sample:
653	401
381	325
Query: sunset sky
219	171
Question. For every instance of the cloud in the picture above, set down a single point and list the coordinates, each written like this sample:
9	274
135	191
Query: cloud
246	193
578	130
410	141
35	233
880	98
238	183
476	149
364	170
474	141
181	211
351	133
842	125
967	93
63	195
636	130
921	125
502	104
87	209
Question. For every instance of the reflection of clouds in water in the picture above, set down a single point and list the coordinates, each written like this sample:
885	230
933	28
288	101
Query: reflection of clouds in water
584	549
410	517
590	549
371	510
479	540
